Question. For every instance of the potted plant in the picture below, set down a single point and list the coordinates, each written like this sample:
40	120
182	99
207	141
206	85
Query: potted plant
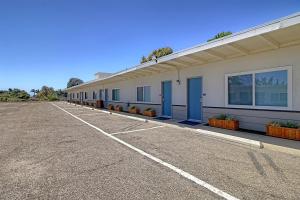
119	108
287	130
110	107
149	112
224	121
99	104
134	110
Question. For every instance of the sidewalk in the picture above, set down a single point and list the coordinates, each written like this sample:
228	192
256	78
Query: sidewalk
251	139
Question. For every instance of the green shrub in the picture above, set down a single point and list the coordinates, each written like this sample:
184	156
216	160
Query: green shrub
224	117
287	124
53	98
221	117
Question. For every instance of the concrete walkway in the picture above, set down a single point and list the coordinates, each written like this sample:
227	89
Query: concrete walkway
252	139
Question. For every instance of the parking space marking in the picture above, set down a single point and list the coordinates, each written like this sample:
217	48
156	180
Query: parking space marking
113	113
142	129
88	114
157	160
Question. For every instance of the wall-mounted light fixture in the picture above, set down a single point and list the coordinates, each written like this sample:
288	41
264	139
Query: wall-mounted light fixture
178	76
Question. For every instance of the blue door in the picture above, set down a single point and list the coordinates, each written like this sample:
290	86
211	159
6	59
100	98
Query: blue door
166	98
105	97
195	99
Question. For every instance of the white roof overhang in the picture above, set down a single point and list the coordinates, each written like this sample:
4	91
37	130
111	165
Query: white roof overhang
276	34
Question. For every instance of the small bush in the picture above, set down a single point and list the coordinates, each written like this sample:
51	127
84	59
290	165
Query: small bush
288	124
224	117
149	109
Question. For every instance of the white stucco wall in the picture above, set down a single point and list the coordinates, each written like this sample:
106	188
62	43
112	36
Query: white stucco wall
213	75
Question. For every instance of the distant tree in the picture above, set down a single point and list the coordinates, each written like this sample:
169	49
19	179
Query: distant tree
34	91
220	35
73	82
143	59
61	93
14	95
157	53
47	93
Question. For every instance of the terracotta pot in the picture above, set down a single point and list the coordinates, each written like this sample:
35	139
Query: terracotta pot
226	124
219	123
134	111
119	108
298	134
99	104
283	132
149	113
110	107
212	122
274	131
232	124
290	133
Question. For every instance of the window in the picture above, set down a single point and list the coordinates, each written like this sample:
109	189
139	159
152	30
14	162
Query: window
240	90
260	89
140	94
100	95
85	95
143	94
271	88
116	94
73	96
77	95
94	95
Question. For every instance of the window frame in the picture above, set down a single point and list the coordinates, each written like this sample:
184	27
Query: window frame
136	92
289	70
112	91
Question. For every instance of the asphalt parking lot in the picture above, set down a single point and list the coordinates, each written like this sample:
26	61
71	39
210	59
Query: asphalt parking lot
63	151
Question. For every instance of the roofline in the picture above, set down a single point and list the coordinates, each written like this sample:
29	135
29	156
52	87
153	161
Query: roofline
257	30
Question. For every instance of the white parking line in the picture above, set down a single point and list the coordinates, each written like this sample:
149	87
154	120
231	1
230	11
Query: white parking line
142	129
175	169
88	114
214	134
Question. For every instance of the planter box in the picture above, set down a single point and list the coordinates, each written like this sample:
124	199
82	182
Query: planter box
283	132
149	113
110	107
226	124
134	111
99	104
119	108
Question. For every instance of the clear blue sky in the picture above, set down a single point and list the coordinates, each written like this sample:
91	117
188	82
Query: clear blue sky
45	42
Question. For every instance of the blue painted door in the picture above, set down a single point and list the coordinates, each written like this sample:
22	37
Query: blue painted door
195	99
166	98
105	97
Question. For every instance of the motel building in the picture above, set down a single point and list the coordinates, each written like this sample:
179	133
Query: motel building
252	75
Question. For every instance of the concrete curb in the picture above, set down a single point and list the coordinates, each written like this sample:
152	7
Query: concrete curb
295	152
244	141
